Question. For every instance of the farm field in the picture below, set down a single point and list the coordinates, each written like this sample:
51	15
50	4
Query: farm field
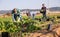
28	25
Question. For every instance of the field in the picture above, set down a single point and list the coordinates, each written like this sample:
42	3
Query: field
27	25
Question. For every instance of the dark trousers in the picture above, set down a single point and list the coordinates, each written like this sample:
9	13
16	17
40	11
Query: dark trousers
44	15
15	16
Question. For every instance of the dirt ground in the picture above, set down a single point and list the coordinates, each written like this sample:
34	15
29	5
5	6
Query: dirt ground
55	32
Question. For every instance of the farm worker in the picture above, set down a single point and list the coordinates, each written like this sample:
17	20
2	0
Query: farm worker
43	11
33	15
49	28
28	14
14	14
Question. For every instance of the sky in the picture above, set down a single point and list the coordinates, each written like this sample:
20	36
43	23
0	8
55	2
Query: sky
27	4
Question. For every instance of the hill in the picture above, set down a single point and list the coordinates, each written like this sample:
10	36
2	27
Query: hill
50	9
5	11
54	9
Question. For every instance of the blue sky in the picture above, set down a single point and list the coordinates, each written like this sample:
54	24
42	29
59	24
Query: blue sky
27	4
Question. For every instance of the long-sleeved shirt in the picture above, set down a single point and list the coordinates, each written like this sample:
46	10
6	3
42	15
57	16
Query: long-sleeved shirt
44	10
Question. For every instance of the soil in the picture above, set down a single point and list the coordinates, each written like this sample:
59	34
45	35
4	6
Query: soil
55	32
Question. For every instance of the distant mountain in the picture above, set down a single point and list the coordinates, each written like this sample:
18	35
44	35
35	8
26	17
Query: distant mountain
5	11
54	9
9	11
